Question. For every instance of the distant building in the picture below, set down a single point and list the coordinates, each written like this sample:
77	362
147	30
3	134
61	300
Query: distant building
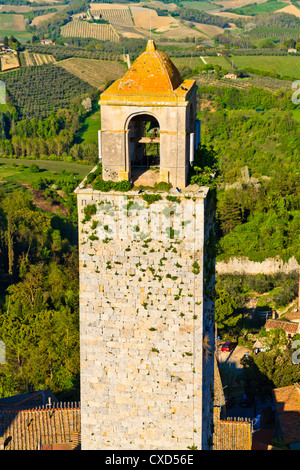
232	76
292	51
290	328
46	42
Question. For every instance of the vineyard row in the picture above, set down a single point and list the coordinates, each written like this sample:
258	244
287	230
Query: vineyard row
83	29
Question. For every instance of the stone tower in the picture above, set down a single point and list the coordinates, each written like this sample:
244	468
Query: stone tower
151	91
147	271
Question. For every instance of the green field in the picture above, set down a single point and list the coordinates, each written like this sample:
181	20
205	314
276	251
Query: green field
191	62
89	132
6	21
275	32
14	169
221	61
281	65
13	25
21	36
258	9
202	6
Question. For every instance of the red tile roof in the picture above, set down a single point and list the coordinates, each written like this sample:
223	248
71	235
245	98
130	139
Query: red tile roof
289	327
232	435
295	315
33	429
287	402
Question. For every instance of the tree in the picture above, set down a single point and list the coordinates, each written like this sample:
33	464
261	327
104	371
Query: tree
267	370
205	166
228	211
26	229
14	43
274	339
225	307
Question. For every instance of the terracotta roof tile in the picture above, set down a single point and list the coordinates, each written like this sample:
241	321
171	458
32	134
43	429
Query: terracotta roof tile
232	435
287	402
295	315
289	327
31	429
151	71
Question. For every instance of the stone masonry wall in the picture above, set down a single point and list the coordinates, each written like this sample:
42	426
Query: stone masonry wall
246	266
146	320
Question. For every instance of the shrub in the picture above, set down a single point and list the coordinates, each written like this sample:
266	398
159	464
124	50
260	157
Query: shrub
34	168
105	186
89	210
150	198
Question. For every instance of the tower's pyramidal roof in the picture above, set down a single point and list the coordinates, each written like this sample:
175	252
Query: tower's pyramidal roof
152	71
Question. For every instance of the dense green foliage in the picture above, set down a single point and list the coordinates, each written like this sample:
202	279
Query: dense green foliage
268	370
241	287
225	309
261	223
39	303
257	218
52	137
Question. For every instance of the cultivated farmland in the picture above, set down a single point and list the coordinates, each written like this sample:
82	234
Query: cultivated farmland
30	58
13	25
115	16
221	61
83	29
281	65
39	90
266	83
13	169
191	62
97	73
9	61
10	22
256	9
65	52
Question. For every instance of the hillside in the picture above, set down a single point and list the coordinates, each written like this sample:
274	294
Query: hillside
253	43
61	56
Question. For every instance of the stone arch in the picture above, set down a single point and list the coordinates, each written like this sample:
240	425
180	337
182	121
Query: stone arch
142	133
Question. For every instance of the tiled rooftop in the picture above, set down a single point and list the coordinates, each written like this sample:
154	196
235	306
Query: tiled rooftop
232	435
33	429
287	402
294	315
288	327
36	420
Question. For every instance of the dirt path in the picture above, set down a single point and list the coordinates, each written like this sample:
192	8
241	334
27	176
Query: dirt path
42	203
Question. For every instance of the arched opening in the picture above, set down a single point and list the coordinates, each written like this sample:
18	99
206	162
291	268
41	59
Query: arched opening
144	146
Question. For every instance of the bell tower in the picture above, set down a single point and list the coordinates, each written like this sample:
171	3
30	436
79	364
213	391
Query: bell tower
146	271
151	94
